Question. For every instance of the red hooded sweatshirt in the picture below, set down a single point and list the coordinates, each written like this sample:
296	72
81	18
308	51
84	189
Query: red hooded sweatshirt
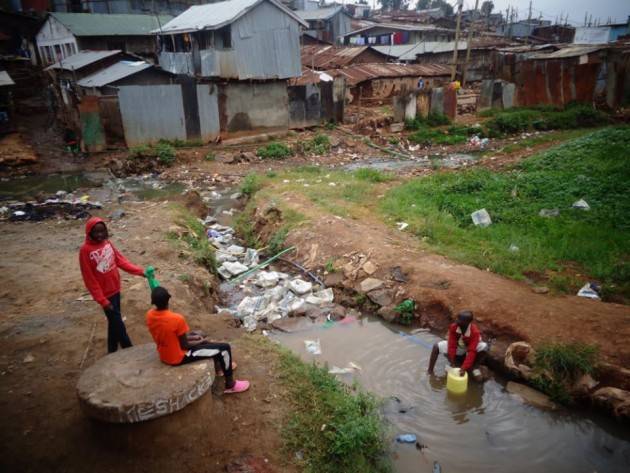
99	266
468	340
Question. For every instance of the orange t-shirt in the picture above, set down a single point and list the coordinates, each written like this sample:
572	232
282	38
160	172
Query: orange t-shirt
166	327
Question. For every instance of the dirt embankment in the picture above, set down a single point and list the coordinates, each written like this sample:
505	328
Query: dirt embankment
46	331
506	310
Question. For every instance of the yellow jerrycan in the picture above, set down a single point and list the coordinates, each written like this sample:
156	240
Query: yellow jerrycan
455	383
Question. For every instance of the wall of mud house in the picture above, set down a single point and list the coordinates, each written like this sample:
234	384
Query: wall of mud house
480	66
601	79
383	89
253	107
312	104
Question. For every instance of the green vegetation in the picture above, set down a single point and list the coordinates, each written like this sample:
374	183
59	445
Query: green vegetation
210	156
405	309
195	239
318	145
371	175
594	167
330	265
428	136
274	150
335	428
558	366
177	143
251	184
518	120
276	242
432	120
164	153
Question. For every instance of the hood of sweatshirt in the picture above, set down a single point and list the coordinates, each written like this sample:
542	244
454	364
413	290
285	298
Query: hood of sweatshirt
88	228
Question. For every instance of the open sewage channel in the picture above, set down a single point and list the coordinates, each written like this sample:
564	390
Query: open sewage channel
485	430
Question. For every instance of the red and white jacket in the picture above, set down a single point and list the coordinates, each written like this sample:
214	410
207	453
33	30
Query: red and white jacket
468	340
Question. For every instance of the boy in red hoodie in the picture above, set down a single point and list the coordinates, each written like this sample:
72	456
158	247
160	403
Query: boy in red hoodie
99	261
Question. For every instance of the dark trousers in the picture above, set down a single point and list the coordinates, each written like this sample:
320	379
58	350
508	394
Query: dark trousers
116	330
220	352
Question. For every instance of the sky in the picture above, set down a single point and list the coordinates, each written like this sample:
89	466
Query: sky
616	9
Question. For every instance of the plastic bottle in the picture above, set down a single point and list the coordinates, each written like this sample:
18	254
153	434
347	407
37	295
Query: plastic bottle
149	272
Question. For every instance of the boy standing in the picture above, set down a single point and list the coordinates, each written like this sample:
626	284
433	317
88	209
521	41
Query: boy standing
177	345
463	346
99	261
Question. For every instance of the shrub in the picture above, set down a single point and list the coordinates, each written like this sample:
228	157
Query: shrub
415	124
141	151
430	137
438	119
165	154
371	175
274	150
320	144
276	242
251	184
210	156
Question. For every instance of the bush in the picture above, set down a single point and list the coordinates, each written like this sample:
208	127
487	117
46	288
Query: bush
438	119
165	154
558	366
251	184
320	144
371	175
274	150
429	137
141	151
210	156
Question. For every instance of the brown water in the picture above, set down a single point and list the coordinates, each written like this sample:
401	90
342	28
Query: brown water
487	430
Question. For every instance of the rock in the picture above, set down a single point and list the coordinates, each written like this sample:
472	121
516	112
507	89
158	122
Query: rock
549	212
540	290
133	385
250	306
338	312
584	385
235	250
350	271
519	359
222	257
334	141
382	297
293	324
396	127
117	214
28	358
370	284
530	395
277	293
398	275
388	313
251	257
250	323
233	268
236	196
325	296
334	279
248	156
369	268
267	279
615	399
300	287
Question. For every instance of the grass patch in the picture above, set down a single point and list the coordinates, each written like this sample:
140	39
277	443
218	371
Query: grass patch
594	167
210	156
428	137
558	366
251	184
371	175
336	428
432	120
203	253
318	145
274	150
164	153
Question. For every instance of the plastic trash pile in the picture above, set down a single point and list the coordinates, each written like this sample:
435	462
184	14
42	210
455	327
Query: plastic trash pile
61	205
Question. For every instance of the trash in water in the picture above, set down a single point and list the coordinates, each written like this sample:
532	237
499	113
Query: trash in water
437	468
481	218
590	290
354	366
513	248
406	438
581	204
402	225
313	347
337	370
549	212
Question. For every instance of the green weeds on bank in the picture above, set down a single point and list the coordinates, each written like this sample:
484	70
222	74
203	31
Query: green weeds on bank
164	153
558	366
274	150
196	240
335	428
594	167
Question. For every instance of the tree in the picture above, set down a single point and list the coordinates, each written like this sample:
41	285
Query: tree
394	4
486	8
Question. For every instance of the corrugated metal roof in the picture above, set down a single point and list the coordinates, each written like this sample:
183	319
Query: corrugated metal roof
310	77
571	51
399	27
409	52
319	14
113	73
82	59
326	56
212	16
5	79
362	72
101	24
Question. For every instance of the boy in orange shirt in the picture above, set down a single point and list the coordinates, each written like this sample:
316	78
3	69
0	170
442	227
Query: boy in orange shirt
177	345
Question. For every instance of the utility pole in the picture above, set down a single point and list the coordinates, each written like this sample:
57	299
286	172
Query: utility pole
460	4
471	27
529	23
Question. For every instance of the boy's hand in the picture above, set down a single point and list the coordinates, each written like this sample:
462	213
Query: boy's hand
109	306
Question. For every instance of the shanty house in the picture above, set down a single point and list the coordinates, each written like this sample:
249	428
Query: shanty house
124	6
601	34
326	24
398	33
322	57
237	39
65	34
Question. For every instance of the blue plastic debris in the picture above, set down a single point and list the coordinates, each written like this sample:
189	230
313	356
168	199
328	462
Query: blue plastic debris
406	438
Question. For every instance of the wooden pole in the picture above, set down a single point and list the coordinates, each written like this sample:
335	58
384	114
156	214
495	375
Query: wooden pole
459	21
471	27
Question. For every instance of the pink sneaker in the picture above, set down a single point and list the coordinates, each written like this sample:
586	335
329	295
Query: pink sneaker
240	386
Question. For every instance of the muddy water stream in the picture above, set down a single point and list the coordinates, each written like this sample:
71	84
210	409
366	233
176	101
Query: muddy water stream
486	430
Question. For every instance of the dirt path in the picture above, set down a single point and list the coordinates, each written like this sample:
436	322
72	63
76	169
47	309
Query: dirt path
45	332
506	309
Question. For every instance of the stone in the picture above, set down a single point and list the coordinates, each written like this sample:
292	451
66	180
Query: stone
530	395
250	323
117	214
235	250
369	268
388	313
584	384
234	268
615	399
540	290
248	156
222	257
300	287
251	257
251	305
325	296
398	275
28	358
292	324
334	279
277	293
236	196
226	159
370	284
133	385
549	212
338	312
396	127
382	297
267	279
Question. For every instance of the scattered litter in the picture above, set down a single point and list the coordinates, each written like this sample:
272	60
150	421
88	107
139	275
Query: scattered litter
420	330
478	142
513	248
233	268
481	218
84	298
353	365
337	370
406	438
402	225
313	347
549	212
581	204
332	184
436	467
398	275
590	290
300	287
29	358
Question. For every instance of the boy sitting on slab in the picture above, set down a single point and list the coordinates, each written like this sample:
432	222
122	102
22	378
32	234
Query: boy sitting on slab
178	345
